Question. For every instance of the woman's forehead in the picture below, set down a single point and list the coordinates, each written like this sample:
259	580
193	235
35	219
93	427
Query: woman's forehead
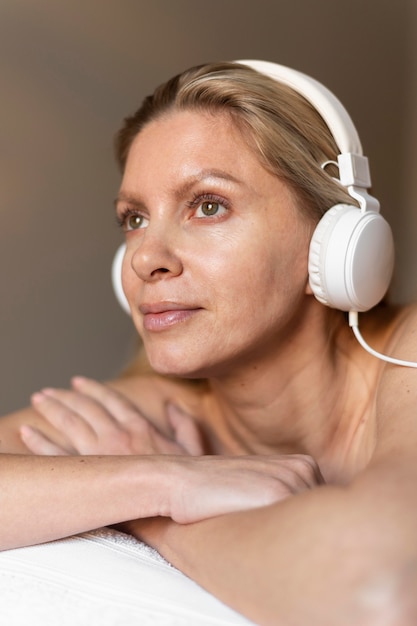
190	126
192	144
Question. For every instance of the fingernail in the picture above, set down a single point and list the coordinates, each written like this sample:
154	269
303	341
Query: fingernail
37	397
25	430
75	380
173	409
170	406
48	391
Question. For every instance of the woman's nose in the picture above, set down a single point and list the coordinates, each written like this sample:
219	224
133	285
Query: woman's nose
155	256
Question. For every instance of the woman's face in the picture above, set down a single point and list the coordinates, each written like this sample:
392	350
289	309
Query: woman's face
216	262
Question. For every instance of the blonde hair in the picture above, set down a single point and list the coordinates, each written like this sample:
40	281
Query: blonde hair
288	134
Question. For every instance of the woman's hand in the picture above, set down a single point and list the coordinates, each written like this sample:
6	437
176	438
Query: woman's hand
207	486
96	419
220	485
199	488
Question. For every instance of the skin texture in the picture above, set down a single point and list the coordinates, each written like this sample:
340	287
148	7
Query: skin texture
294	463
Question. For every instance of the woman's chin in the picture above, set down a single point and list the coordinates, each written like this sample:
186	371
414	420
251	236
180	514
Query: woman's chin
178	367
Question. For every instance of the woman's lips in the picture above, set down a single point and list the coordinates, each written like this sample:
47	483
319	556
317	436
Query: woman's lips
158	317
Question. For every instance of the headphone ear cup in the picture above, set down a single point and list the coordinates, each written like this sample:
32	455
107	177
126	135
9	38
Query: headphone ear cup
351	258
116	276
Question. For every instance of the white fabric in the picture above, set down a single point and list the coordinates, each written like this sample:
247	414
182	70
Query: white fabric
102	578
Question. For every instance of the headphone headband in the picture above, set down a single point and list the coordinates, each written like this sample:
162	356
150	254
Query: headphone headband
353	166
323	100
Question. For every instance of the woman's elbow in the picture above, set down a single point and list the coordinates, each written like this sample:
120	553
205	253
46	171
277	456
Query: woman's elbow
388	597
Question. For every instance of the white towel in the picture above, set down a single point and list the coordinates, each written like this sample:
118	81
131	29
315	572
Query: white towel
102	578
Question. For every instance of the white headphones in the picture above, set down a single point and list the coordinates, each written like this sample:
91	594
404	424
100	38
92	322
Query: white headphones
351	255
116	278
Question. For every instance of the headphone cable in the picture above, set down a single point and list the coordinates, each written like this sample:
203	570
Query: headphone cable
354	324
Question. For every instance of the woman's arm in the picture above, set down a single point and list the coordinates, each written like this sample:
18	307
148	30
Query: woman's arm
44	498
327	557
48	497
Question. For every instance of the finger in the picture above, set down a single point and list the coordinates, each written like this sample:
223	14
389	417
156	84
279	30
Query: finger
38	443
129	418
85	407
78	403
120	407
306	468
186	431
49	404
297	472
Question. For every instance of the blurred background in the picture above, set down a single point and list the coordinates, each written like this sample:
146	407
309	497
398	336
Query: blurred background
71	70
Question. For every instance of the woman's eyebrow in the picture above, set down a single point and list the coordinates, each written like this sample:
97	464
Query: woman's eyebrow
183	188
204	175
125	197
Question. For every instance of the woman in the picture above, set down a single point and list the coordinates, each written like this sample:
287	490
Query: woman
266	434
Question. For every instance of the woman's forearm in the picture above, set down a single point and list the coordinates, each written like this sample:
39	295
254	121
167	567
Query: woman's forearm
44	498
63	495
328	557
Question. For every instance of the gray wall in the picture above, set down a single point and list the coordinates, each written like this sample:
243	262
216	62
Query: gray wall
71	69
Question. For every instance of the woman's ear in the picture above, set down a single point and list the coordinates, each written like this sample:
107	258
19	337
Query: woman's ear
308	289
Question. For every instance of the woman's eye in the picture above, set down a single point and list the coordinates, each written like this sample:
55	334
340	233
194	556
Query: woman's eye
134	221
210	208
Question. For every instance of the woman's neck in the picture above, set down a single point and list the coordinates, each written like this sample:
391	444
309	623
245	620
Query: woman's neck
310	398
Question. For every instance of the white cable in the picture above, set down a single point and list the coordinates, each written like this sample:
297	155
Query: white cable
354	324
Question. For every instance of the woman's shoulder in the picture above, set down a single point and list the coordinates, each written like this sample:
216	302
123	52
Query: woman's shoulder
397	389
386	326
399	327
405	317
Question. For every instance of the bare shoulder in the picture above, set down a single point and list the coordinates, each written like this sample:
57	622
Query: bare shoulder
396	398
